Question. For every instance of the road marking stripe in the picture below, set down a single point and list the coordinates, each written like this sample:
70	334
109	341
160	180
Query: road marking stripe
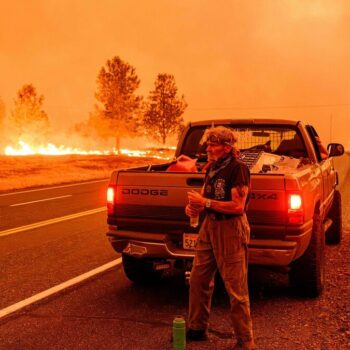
40	200
53	187
51	221
21	304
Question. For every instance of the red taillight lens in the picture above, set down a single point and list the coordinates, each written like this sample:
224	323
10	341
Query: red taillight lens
110	199
295	209
295	201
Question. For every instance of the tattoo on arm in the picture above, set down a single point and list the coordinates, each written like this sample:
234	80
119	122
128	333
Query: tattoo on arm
241	191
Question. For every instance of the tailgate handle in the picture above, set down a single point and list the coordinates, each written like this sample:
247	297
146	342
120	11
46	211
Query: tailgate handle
194	182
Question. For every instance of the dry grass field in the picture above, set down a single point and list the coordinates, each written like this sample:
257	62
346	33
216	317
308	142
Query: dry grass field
18	172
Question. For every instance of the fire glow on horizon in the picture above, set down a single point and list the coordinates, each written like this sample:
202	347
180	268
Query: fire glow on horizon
25	149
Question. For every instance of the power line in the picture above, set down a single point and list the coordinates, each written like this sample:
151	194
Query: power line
266	107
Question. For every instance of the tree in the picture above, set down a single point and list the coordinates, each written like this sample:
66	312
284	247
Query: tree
164	109
96	127
116	86
28	119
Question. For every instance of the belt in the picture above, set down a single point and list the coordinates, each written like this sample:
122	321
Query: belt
221	216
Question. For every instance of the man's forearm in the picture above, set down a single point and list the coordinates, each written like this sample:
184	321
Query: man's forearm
228	207
235	206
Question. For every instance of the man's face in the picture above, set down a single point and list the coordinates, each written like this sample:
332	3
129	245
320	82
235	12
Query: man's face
216	150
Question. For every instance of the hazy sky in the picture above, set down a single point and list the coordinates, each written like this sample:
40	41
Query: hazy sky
230	58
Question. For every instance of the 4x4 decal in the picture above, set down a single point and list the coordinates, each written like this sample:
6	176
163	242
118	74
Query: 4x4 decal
264	196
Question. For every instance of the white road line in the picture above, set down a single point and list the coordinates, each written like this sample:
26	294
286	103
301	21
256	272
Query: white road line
40	200
21	304
53	187
50	221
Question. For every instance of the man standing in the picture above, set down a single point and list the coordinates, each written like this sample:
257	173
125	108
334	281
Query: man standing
223	238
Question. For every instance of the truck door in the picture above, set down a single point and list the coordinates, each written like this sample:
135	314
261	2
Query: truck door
327	169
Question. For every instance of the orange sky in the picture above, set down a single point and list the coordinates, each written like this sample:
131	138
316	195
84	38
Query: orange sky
230	58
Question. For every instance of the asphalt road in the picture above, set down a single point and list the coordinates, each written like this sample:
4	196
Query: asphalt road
26	207
109	312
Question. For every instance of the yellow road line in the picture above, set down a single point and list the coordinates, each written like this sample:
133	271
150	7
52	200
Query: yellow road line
53	187
21	304
50	221
40	200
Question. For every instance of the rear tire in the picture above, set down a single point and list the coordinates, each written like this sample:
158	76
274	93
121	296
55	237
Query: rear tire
307	274
335	232
140	271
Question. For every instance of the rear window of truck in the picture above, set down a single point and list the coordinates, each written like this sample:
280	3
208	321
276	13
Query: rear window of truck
279	140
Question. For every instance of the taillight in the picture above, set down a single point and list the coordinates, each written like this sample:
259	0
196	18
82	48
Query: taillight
295	201
110	199
295	209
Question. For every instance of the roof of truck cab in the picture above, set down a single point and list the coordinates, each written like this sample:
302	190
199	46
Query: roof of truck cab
246	121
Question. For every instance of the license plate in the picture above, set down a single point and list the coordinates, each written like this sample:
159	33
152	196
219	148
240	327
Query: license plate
190	240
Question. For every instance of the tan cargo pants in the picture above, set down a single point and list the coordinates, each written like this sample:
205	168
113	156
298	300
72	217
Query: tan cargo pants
222	245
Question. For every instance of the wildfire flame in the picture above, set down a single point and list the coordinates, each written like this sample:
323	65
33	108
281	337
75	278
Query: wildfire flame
24	149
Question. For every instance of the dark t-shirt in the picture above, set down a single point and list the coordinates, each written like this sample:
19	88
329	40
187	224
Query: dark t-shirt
236	173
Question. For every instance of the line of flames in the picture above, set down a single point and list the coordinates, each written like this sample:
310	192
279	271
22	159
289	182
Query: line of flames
25	149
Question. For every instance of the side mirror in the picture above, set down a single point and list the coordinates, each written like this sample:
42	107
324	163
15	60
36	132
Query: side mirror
335	149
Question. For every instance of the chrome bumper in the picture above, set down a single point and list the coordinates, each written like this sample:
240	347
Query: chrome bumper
260	251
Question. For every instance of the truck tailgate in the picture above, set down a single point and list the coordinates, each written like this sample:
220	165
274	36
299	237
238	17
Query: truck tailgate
154	195
161	196
268	204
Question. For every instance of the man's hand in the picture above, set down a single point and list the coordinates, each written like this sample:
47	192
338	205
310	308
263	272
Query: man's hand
195	204
234	206
196	200
191	211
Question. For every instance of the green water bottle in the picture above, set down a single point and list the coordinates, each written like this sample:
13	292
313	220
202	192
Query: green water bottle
179	333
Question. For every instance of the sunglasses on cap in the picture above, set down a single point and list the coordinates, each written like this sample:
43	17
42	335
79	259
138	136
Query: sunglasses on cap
217	139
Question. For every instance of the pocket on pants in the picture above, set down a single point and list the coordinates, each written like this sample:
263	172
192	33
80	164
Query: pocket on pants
233	271
233	248
234	276
245	231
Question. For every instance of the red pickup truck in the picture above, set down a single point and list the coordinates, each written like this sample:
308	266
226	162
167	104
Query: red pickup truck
295	207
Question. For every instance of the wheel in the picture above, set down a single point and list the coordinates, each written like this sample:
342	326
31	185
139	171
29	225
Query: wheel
307	274
335	231
140	271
